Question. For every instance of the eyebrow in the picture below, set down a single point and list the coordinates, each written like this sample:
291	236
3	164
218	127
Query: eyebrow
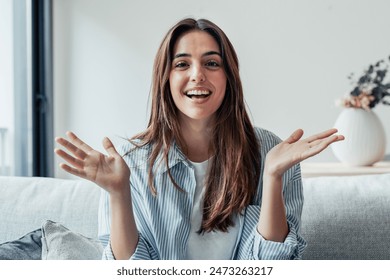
205	54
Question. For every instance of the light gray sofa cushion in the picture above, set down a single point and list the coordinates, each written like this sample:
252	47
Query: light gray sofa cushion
27	202
347	217
60	243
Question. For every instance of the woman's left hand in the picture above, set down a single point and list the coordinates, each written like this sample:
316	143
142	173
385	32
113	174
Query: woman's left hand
294	150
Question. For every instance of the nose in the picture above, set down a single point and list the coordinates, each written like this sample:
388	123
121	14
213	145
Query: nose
197	74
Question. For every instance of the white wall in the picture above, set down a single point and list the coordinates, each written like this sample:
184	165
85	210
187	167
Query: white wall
295	58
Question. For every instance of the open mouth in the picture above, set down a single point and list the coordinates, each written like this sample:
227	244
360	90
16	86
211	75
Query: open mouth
197	93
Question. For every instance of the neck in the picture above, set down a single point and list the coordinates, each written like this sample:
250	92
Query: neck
197	136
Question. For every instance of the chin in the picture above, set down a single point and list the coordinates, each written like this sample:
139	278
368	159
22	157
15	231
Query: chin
197	117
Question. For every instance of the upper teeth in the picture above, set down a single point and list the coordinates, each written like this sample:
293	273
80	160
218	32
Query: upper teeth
198	92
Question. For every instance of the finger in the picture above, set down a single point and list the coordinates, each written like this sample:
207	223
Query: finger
78	142
74	171
334	138
71	148
73	161
323	144
322	135
109	147
295	136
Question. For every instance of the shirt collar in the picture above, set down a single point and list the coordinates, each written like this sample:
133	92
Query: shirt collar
175	156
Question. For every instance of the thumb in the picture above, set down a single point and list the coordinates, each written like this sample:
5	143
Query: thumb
109	147
295	136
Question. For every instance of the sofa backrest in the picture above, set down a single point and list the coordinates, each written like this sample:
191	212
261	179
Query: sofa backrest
347	217
26	202
343	217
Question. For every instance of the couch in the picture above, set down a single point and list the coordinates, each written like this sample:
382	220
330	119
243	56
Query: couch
343	217
63	211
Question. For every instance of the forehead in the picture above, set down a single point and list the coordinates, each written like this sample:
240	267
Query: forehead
195	41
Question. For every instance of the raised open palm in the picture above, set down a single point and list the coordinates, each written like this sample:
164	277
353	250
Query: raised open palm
294	149
108	171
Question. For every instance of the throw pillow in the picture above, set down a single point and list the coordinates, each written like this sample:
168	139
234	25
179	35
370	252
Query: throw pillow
60	243
27	247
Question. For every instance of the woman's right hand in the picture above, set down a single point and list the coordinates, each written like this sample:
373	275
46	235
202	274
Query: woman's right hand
112	174
108	171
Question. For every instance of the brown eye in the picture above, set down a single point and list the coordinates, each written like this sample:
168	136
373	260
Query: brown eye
212	64
181	64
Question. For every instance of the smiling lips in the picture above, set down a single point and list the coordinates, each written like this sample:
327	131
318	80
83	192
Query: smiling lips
197	93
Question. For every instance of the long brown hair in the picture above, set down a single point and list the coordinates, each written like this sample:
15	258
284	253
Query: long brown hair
235	167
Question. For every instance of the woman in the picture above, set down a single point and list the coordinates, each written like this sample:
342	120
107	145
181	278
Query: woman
204	183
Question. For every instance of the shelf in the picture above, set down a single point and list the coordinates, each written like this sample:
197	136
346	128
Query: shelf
317	169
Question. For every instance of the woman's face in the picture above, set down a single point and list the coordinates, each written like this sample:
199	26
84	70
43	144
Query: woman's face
197	79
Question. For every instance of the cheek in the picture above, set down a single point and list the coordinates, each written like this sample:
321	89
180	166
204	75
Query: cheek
221	99
171	82
220	80
175	90
222	88
175	82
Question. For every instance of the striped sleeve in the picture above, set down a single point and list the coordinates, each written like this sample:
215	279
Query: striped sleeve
104	225
294	245
104	218
142	251
254	247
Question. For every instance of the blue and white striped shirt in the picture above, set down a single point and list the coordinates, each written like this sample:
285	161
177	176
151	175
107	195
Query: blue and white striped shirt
164	221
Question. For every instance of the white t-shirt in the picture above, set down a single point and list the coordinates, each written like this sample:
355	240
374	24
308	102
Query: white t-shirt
215	245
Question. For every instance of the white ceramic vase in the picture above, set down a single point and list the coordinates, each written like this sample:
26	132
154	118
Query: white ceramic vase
365	139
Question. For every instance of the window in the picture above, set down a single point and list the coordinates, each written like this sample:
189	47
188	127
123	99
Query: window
15	158
26	134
